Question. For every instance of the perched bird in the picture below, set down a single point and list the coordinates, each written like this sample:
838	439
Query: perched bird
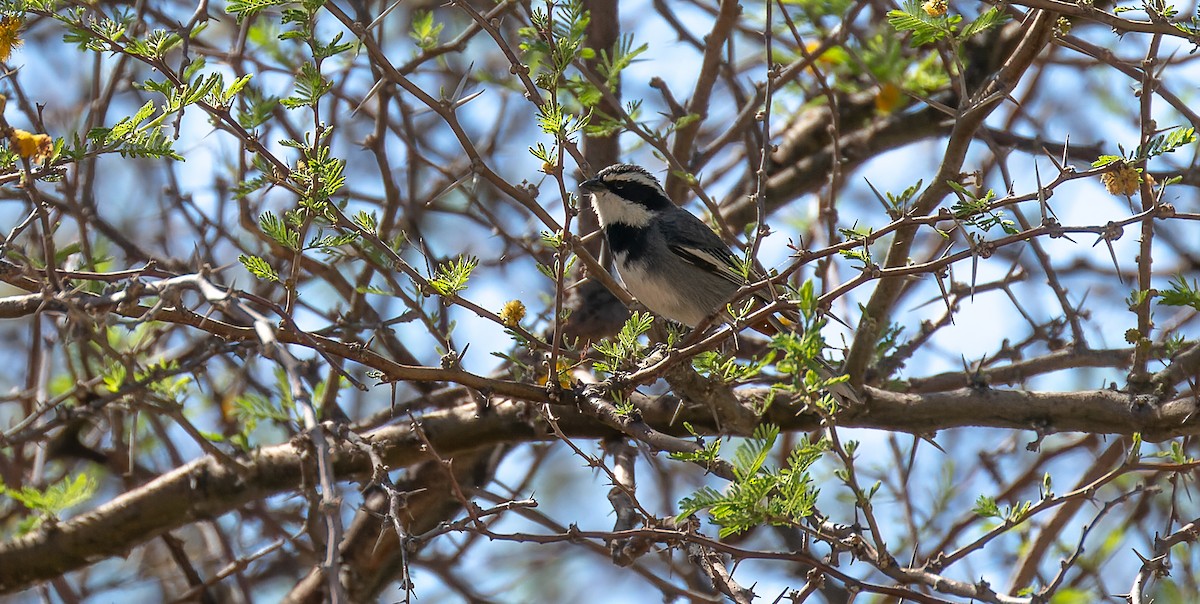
669	259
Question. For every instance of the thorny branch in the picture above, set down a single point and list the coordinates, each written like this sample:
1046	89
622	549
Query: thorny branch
346	310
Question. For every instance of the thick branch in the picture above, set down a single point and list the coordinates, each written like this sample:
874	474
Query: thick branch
974	112
206	489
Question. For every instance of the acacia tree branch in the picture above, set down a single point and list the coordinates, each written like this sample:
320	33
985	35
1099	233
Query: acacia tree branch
206	488
879	307
714	46
124	303
1158	563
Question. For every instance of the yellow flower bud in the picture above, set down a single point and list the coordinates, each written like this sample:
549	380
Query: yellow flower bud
512	313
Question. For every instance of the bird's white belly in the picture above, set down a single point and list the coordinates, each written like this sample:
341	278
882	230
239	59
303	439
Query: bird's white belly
660	296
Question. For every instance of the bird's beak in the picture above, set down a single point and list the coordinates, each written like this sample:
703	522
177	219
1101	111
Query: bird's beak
591	185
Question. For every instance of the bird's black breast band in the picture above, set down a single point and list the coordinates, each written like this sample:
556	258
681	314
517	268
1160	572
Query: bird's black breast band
628	240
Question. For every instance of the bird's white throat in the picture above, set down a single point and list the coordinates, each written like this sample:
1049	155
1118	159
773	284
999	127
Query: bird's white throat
612	209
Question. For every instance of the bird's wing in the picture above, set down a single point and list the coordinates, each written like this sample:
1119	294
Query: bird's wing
696	244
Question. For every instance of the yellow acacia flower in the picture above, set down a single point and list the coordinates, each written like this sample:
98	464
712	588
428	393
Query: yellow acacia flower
34	147
10	35
512	313
1122	181
935	8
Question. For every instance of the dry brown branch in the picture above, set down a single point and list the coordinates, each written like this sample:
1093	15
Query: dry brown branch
364	341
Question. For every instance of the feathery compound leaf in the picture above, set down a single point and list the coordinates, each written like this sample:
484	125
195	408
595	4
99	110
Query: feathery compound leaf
276	229
338	240
986	507
58	496
727	369
704	498
234	88
752	453
989	19
248	8
258	267
622	57
625	346
310	87
1181	293
366	220
1166	143
451	277
924	27
759	495
424	30
636	326
253	407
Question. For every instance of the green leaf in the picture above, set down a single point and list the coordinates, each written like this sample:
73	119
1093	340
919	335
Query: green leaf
1165	143
624	348
234	88
977	212
258	108
310	87
131	138
899	202
1181	293
451	277
366	221
279	231
925	28
320	176
703	498
57	497
332	241
252	407
993	17
114	377
706	456
424	30
258	267
622	57
986	507
727	369
759	495
752	453
248	8
331	48
1135	449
